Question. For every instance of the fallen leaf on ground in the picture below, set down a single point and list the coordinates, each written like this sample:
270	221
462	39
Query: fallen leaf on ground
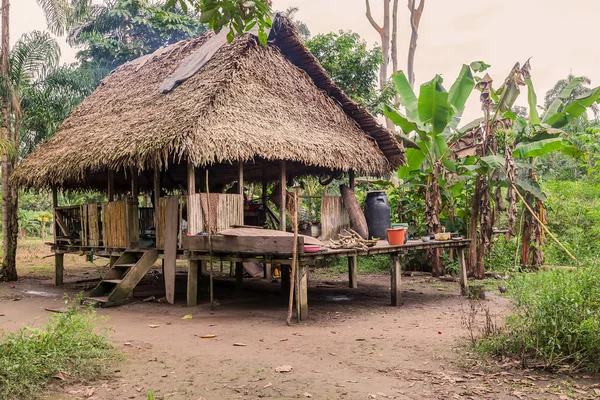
361	340
153	326
518	395
59	375
187	316
208	336
306	394
268	385
240	344
283	368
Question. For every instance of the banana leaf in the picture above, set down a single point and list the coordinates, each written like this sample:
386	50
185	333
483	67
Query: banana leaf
409	99
461	89
414	160
532	187
534	117
433	105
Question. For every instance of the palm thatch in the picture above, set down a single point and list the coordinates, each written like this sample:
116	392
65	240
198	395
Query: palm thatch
247	103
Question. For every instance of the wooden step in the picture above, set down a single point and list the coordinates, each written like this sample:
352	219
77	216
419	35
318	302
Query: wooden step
115	281
123	265
103	299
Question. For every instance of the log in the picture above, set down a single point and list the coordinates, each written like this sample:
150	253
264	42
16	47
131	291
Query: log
357	217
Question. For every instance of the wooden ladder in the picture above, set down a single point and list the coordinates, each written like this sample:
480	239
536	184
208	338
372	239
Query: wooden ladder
116	287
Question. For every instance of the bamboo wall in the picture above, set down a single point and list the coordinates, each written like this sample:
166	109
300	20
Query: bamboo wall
334	217
225	210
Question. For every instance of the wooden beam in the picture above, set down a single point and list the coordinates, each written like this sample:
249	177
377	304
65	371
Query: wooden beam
241	178
352	264
282	194
244	244
396	273
111	186
192	283
59	267
170	255
191	178
264	186
462	271
54	205
156	183
351	179
302	292
135	192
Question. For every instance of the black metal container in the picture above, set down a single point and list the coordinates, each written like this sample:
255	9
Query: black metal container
377	214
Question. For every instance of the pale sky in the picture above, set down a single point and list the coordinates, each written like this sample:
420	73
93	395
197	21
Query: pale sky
560	37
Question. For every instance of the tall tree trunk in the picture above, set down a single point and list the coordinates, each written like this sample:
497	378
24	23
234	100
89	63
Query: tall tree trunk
473	225
415	20
10	226
384	34
394	41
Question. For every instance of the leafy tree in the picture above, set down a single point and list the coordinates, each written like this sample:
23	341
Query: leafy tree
351	65
576	85
120	30
238	16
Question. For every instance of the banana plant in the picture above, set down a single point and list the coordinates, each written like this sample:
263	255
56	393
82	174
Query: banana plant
429	125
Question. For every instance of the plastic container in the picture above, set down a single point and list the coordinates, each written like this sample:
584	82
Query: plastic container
396	236
311	248
377	214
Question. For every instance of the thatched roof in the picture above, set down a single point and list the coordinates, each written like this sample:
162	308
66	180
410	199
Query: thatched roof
247	102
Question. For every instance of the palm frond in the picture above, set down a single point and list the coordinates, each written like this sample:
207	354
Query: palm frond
33	55
61	15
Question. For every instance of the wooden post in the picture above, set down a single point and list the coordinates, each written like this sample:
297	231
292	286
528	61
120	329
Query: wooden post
134	185
156	183
204	267
462	271
396	273
241	178
239	275
282	194
192	283
351	179
264	186
111	186
59	268
267	270
191	178
352	264
54	205
302	292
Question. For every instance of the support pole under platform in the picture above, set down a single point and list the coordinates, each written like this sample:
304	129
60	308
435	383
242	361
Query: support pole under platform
239	275
462	270
396	273
192	283
59	267
302	292
352	277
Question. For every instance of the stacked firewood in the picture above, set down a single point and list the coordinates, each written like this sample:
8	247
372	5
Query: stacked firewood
349	239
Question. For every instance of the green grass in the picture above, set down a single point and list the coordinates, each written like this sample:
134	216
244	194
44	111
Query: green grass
67	345
556	320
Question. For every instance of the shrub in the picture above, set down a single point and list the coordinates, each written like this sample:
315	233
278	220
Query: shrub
66	347
556	320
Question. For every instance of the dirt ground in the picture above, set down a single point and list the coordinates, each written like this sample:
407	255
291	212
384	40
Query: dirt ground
354	346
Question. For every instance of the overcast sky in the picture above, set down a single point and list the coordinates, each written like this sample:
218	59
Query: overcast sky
559	36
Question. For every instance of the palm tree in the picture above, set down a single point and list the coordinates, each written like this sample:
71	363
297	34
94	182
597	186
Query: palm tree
578	83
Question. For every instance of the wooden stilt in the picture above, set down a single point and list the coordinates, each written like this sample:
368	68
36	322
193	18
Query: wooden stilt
396	273
192	283
54	205
111	187
156	184
268	272
231	269
204	267
241	178
239	275
302	292
352	277
59	267
134	185
351	179
462	270
191	178
282	194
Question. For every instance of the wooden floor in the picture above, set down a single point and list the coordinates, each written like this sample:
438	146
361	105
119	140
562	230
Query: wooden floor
277	251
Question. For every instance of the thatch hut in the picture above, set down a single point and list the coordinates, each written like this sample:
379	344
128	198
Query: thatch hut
240	111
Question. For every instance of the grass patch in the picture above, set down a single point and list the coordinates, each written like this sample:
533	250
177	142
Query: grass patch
67	345
556	321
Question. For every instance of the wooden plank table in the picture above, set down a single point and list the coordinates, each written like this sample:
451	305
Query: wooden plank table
306	260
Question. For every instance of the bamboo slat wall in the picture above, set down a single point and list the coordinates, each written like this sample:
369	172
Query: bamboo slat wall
115	224
93	224
334	217
225	210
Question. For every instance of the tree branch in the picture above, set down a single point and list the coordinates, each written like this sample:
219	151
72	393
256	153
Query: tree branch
371	20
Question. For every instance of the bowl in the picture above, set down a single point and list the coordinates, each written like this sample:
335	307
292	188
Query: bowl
425	239
312	248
